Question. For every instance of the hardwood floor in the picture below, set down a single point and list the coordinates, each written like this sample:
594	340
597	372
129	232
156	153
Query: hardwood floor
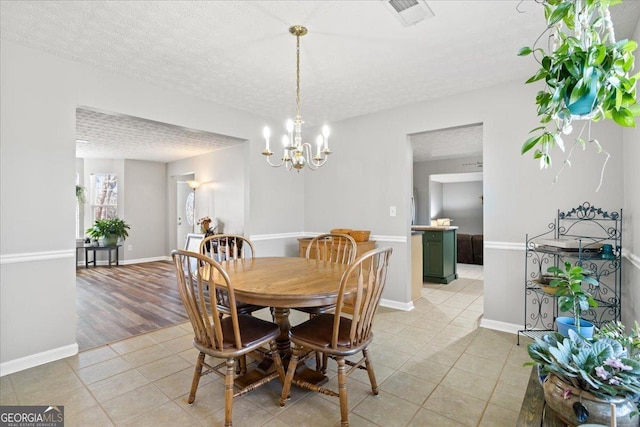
124	301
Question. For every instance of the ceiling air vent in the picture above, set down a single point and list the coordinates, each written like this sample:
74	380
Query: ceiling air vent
409	12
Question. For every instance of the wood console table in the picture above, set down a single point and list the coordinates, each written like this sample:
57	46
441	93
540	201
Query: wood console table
534	411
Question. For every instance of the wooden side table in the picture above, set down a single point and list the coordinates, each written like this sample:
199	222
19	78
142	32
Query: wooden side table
534	411
110	249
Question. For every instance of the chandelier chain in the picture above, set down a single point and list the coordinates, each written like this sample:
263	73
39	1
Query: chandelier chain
297	76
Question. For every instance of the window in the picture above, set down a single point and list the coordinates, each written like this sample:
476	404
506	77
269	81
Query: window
104	201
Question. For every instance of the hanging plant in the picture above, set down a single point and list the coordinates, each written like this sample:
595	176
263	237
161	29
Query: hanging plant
80	196
586	72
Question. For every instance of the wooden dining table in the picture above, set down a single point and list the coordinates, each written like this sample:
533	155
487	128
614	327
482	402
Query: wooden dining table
283	283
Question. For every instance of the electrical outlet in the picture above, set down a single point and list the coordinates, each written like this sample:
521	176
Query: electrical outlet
130	247
392	211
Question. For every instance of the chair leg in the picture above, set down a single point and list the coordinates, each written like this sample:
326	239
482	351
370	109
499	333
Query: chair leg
275	354
291	370
342	391
228	392
372	375
321	358
242	362
197	373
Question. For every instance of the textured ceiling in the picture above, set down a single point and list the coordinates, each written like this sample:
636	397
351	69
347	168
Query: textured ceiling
357	58
118	136
464	141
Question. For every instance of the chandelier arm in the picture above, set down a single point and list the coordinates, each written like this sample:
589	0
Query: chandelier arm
274	165
312	162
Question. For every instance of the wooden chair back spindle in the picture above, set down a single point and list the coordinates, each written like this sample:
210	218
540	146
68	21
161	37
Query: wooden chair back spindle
332	247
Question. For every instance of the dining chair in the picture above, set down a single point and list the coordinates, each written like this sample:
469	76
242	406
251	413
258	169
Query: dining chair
227	337
331	247
341	336
226	247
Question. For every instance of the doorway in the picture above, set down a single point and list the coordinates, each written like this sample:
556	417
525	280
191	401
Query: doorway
447	182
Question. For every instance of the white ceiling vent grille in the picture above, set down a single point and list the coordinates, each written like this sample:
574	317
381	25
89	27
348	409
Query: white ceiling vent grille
409	12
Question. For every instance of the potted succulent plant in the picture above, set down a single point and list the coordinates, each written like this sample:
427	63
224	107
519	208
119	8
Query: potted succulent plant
586	74
584	377
110	230
572	297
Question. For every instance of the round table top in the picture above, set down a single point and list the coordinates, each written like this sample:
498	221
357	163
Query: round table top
285	281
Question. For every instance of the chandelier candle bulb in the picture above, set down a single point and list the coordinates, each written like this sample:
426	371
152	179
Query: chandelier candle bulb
266	132
325	134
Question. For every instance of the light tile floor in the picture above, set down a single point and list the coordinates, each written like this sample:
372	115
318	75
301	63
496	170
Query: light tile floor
435	367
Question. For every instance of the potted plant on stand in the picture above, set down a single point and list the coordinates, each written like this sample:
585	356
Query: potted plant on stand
586	74
584	378
572	297
110	230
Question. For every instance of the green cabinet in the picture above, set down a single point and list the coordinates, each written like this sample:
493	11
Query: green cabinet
439	255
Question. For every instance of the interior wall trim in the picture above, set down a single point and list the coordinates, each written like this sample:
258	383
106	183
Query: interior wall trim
633	258
377	238
37	359
505	246
36	256
513	246
261	237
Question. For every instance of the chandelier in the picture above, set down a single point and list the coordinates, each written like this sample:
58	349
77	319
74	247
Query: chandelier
296	153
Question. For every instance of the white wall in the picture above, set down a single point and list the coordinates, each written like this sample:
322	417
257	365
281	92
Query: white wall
435	195
144	210
37	221
421	173
631	227
141	203
463	205
40	94
373	172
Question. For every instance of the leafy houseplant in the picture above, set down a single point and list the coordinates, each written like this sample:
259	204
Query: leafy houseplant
583	59
584	372
110	229
615	331
80	194
571	296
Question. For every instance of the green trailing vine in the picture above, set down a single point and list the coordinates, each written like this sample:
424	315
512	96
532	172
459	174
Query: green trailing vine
582	56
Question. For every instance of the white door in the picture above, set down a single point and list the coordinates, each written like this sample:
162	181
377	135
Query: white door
184	198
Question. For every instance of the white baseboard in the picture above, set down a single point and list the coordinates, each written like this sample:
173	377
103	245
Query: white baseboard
37	359
511	328
404	306
142	260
